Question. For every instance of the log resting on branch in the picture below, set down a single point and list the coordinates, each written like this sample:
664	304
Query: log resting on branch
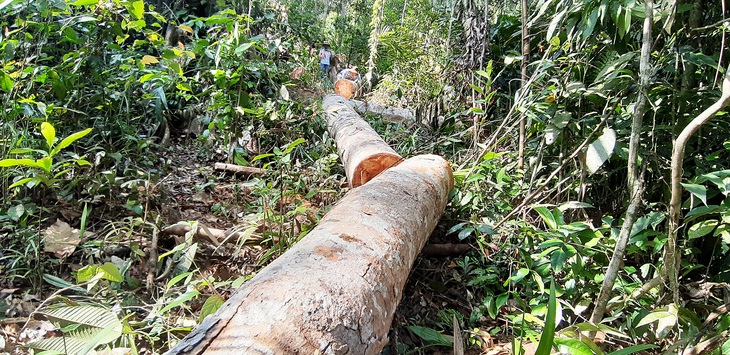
335	291
363	153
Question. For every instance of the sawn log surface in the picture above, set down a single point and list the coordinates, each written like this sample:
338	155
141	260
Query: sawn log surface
336	290
363	153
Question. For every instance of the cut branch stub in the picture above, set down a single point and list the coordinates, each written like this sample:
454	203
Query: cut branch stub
336	290
363	153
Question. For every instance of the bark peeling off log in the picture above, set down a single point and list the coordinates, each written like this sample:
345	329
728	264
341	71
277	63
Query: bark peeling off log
336	290
363	153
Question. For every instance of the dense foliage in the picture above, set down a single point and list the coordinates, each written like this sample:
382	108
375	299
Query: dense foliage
100	97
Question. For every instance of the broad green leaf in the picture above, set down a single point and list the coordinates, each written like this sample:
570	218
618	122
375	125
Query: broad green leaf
69	140
61	283
698	191
86	273
137	9
600	150
666	319
430	336
590	24
148	59
16	212
634	349
45	163
22	182
91	316
572	346
6	163
242	48
555	22
548	332
695	212
111	272
519	275
177	279
702	229
84	2
180	300
6	82
547	216
49	133
210	306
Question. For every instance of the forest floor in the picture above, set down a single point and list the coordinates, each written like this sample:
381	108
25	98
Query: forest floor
191	190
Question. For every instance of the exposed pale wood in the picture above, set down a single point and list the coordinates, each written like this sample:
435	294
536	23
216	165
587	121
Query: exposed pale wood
238	169
347	88
392	114
336	290
363	153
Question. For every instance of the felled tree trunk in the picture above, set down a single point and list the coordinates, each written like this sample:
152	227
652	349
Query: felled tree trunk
335	291
346	88
363	153
392	114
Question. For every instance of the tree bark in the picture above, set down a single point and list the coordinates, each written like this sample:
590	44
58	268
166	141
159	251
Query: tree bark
671	258
390	114
335	292
634	181
363	153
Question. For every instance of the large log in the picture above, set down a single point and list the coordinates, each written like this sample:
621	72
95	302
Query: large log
347	88
392	114
363	153
335	291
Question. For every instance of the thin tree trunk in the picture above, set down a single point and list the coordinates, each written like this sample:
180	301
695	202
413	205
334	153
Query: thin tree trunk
634	181
335	291
671	258
525	56
375	23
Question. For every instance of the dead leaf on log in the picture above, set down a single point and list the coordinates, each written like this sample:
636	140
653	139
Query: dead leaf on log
61	239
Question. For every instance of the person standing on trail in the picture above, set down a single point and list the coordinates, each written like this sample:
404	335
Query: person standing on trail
324	58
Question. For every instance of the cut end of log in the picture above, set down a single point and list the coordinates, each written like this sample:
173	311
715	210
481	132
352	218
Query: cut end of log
373	166
346	88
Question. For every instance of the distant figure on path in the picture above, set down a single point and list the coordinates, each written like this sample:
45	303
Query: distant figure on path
324	58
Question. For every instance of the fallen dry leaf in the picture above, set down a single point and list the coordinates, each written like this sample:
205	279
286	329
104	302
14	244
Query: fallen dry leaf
61	239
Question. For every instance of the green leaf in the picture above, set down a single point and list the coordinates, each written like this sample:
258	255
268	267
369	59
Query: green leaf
180	300
548	332
177	279
24	181
698	191
92	316
111	272
6	163
702	229
572	346
519	275
6	82
547	216
137	9
242	48
16	212
210	306
634	349
86	273
600	150
695	212
84	2
45	163
69	140
49	133
430	336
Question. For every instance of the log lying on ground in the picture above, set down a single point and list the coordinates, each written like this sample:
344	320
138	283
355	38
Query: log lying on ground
363	153
346	88
335	292
392	114
238	169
